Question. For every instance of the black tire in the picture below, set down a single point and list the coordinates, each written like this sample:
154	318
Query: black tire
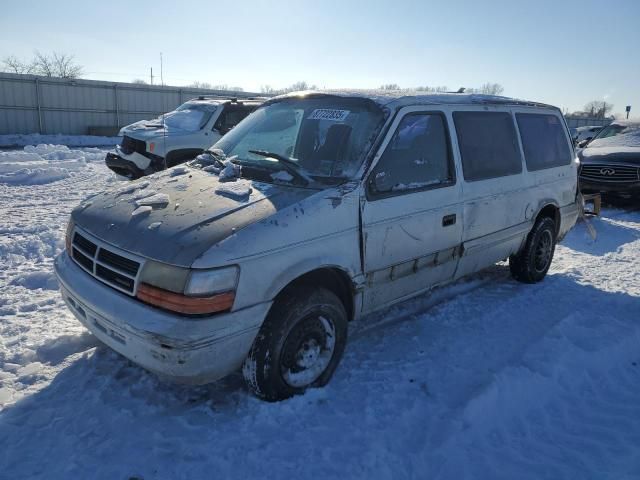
305	325
531	264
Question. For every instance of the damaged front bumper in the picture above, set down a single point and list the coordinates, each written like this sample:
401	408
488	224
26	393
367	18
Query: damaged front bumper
122	166
133	165
181	349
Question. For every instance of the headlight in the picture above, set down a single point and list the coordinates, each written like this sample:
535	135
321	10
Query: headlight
67	236
208	282
191	292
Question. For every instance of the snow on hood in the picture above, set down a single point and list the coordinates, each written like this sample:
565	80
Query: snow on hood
625	146
195	213
600	154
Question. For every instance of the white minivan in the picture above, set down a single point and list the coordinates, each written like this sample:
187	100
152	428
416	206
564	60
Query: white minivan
317	209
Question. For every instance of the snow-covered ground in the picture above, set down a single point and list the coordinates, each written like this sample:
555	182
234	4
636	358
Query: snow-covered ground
22	140
488	378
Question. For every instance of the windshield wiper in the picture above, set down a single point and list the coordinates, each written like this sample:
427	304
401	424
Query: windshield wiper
289	165
217	156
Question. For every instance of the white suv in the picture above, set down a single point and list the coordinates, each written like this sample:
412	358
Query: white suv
317	209
175	137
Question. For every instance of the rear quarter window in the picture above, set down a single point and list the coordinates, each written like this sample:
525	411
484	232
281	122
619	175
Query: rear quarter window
543	140
488	145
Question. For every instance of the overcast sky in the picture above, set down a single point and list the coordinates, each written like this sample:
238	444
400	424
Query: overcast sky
561	52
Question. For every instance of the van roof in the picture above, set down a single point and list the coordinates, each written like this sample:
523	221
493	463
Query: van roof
217	100
400	98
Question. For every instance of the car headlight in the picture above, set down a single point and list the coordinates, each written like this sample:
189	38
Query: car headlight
209	282
188	291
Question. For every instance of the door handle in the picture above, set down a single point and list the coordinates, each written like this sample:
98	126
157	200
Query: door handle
449	220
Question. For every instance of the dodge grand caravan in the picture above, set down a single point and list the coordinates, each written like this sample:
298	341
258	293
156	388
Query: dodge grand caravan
317	209
151	145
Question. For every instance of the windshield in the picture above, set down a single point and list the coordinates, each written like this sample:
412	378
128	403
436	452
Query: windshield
618	135
322	136
189	117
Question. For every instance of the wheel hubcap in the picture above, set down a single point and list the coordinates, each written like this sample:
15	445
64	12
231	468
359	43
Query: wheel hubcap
543	251
307	351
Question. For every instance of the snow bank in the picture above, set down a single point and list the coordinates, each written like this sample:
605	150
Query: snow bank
45	163
19	140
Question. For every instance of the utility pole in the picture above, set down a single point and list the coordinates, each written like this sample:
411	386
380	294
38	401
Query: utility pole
151	75
161	77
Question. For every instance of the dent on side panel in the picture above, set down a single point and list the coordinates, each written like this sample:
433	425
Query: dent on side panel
308	235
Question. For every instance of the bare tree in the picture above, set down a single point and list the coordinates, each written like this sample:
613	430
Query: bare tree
59	65
295	87
64	66
14	65
299	86
207	86
139	81
598	108
487	89
390	86
199	84
43	64
492	89
426	88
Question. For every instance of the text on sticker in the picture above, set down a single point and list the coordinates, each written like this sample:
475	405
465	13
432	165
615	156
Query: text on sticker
328	114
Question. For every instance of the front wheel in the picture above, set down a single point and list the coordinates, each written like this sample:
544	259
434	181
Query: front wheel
299	345
531	264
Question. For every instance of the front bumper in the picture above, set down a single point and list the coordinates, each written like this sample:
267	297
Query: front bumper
122	166
617	188
181	349
133	165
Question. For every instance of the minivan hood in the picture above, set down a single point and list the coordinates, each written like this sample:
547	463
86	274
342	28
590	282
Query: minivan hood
199	213
610	154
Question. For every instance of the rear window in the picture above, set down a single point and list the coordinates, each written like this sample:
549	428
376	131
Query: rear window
488	145
543	140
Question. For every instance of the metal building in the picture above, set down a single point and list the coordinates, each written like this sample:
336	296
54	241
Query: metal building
35	104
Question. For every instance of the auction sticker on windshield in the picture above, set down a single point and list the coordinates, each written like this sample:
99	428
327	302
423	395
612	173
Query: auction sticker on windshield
328	114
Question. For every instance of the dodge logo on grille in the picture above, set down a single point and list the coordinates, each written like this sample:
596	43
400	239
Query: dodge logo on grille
607	171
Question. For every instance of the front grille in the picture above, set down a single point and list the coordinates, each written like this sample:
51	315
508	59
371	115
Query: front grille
121	263
103	263
86	245
113	277
610	173
130	145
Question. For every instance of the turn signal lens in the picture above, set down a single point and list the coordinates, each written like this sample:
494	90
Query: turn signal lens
182	304
67	237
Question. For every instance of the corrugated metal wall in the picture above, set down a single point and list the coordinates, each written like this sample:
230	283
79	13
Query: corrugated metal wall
586	121
32	104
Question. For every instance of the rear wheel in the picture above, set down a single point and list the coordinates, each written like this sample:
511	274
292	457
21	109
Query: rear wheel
531	264
299	345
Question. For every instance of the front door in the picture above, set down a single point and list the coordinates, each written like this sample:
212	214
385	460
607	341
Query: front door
412	215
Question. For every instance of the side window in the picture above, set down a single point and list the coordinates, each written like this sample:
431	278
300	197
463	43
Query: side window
543	140
488	145
230	117
417	157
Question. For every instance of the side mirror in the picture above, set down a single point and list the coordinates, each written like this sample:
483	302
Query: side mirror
583	143
221	129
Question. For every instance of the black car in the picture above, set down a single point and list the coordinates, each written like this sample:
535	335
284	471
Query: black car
610	163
